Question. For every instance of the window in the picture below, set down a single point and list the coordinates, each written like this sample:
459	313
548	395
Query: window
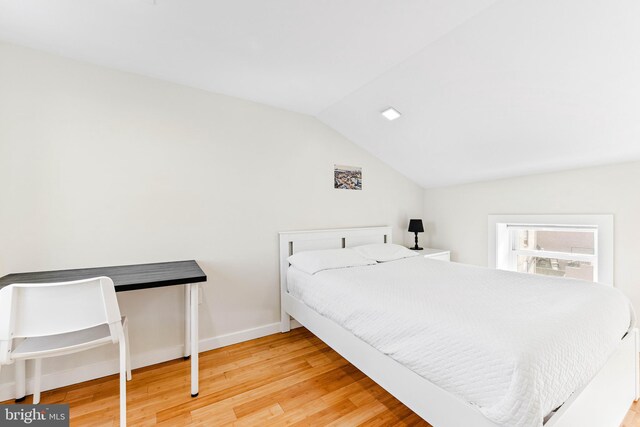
572	246
560	251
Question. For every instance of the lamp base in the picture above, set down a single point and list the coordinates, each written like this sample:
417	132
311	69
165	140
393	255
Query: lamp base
416	247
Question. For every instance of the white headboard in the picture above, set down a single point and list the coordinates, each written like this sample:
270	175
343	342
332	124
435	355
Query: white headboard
298	241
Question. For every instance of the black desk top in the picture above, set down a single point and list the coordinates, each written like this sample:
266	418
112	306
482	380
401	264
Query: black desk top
125	277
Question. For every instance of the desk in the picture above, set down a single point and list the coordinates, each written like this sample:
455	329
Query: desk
129	278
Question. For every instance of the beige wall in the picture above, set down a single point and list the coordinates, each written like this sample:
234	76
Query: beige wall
100	167
456	217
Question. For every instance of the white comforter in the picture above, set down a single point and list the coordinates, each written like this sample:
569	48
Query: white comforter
515	345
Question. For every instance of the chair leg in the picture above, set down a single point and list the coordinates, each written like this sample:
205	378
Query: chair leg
123	382
126	340
37	376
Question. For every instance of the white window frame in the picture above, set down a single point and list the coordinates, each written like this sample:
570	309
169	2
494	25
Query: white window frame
501	249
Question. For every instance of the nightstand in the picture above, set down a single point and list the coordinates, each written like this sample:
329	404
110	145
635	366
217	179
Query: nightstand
439	254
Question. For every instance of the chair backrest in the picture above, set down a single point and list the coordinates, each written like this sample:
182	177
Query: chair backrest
41	309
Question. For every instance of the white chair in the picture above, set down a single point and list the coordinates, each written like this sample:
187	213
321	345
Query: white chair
53	319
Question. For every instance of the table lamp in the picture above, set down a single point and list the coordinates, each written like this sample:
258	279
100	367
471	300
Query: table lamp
415	226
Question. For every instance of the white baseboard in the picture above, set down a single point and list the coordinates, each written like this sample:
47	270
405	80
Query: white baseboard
109	367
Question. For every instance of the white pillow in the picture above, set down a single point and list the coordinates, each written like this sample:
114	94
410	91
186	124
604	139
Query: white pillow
383	252
313	261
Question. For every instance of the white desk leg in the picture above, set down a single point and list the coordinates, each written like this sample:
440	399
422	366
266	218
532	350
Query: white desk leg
194	339
21	380
187	321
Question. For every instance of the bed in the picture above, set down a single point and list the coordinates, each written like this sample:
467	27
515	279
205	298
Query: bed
453	372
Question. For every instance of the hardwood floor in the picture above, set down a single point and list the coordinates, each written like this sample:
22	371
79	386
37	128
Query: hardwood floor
282	379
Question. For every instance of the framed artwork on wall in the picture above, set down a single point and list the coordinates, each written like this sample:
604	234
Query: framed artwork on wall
347	177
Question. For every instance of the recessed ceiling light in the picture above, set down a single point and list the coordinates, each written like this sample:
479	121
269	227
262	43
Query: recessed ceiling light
391	113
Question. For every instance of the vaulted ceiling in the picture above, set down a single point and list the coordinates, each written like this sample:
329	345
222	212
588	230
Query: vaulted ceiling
486	88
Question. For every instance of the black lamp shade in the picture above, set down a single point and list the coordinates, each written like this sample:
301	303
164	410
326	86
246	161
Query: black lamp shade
415	226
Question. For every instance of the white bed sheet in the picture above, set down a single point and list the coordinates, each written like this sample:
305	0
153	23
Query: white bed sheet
515	345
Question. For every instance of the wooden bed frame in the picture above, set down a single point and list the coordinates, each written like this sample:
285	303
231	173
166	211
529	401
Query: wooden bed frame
602	403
